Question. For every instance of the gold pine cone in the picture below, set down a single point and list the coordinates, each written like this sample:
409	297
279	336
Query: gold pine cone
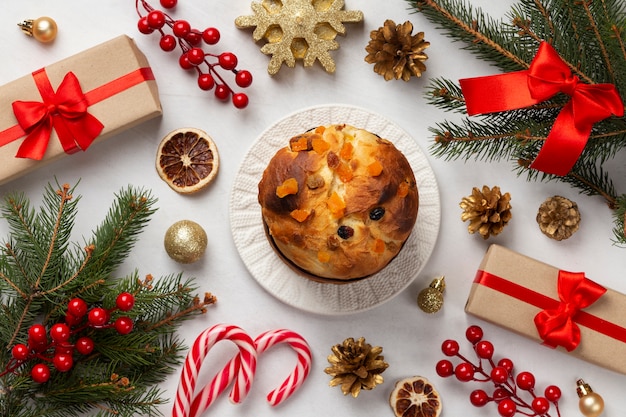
356	365
488	211
558	217
396	52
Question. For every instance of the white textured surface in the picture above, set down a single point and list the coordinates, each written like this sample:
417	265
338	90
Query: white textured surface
278	278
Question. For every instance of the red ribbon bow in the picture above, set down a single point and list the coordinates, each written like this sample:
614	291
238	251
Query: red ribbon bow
557	326
547	75
64	110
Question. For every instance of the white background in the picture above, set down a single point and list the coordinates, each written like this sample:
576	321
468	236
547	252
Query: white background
410	338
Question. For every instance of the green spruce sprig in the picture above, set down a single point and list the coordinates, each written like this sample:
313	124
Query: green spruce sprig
41	270
589	37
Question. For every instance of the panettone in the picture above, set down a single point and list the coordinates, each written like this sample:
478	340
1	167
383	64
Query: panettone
338	202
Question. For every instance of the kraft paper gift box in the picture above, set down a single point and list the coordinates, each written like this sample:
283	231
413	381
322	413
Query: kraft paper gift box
550	305
66	106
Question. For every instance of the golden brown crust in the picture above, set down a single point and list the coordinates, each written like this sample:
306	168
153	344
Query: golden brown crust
322	198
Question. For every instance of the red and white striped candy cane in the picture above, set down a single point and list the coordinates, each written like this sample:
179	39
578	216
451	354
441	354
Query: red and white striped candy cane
270	338
244	370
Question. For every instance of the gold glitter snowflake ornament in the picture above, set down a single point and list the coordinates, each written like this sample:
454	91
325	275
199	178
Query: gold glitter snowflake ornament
298	30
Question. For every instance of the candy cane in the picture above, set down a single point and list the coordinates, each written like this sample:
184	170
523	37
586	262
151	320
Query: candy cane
244	368
270	338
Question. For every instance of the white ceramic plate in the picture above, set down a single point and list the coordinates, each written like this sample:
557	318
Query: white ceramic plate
278	278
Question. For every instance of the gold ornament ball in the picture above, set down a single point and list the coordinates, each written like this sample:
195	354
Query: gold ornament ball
44	29
185	241
430	299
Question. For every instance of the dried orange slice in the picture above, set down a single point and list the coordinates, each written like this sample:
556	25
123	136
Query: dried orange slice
415	397
187	160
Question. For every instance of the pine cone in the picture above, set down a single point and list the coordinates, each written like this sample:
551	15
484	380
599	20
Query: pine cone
558	217
395	52
488	211
355	366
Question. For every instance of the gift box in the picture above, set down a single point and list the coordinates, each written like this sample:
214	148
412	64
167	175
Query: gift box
67	106
563	310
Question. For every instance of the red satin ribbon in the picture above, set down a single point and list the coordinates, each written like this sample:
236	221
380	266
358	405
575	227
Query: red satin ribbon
558	321
65	111
547	75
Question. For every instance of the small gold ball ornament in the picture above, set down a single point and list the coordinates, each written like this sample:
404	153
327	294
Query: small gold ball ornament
44	29
430	299
185	241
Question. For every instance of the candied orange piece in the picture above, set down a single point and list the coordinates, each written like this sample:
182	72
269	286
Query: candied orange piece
346	151
379	246
289	186
345	172
323	256
403	189
320	145
300	144
336	205
320	129
375	168
300	215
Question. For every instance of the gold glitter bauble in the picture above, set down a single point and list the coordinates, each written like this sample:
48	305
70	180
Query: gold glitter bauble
430	299
298	29
185	241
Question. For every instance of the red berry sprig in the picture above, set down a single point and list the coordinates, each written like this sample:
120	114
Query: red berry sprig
54	346
193	57
508	388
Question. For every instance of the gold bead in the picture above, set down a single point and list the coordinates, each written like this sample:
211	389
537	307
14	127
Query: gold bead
185	241
44	28
590	403
430	299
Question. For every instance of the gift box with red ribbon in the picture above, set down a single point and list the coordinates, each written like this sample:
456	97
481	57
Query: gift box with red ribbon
67	106
560	309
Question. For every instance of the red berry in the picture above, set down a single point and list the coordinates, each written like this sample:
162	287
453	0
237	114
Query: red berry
499	375
20	352
500	393
243	78
60	332
63	362
479	398
474	334
484	349
506	364
222	92
196	56
156	19
552	393
144	27
125	301
194	37
72	320
444	368
65	349
184	63
37	334
507	408
206	82
167	43
84	345
228	60
40	373
540	405
124	325
77	307
181	28
168	4
450	347
240	100
525	381
464	371
98	316
37	347
211	36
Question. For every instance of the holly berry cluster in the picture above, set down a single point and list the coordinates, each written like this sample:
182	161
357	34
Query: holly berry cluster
56	346
193	57
509	388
